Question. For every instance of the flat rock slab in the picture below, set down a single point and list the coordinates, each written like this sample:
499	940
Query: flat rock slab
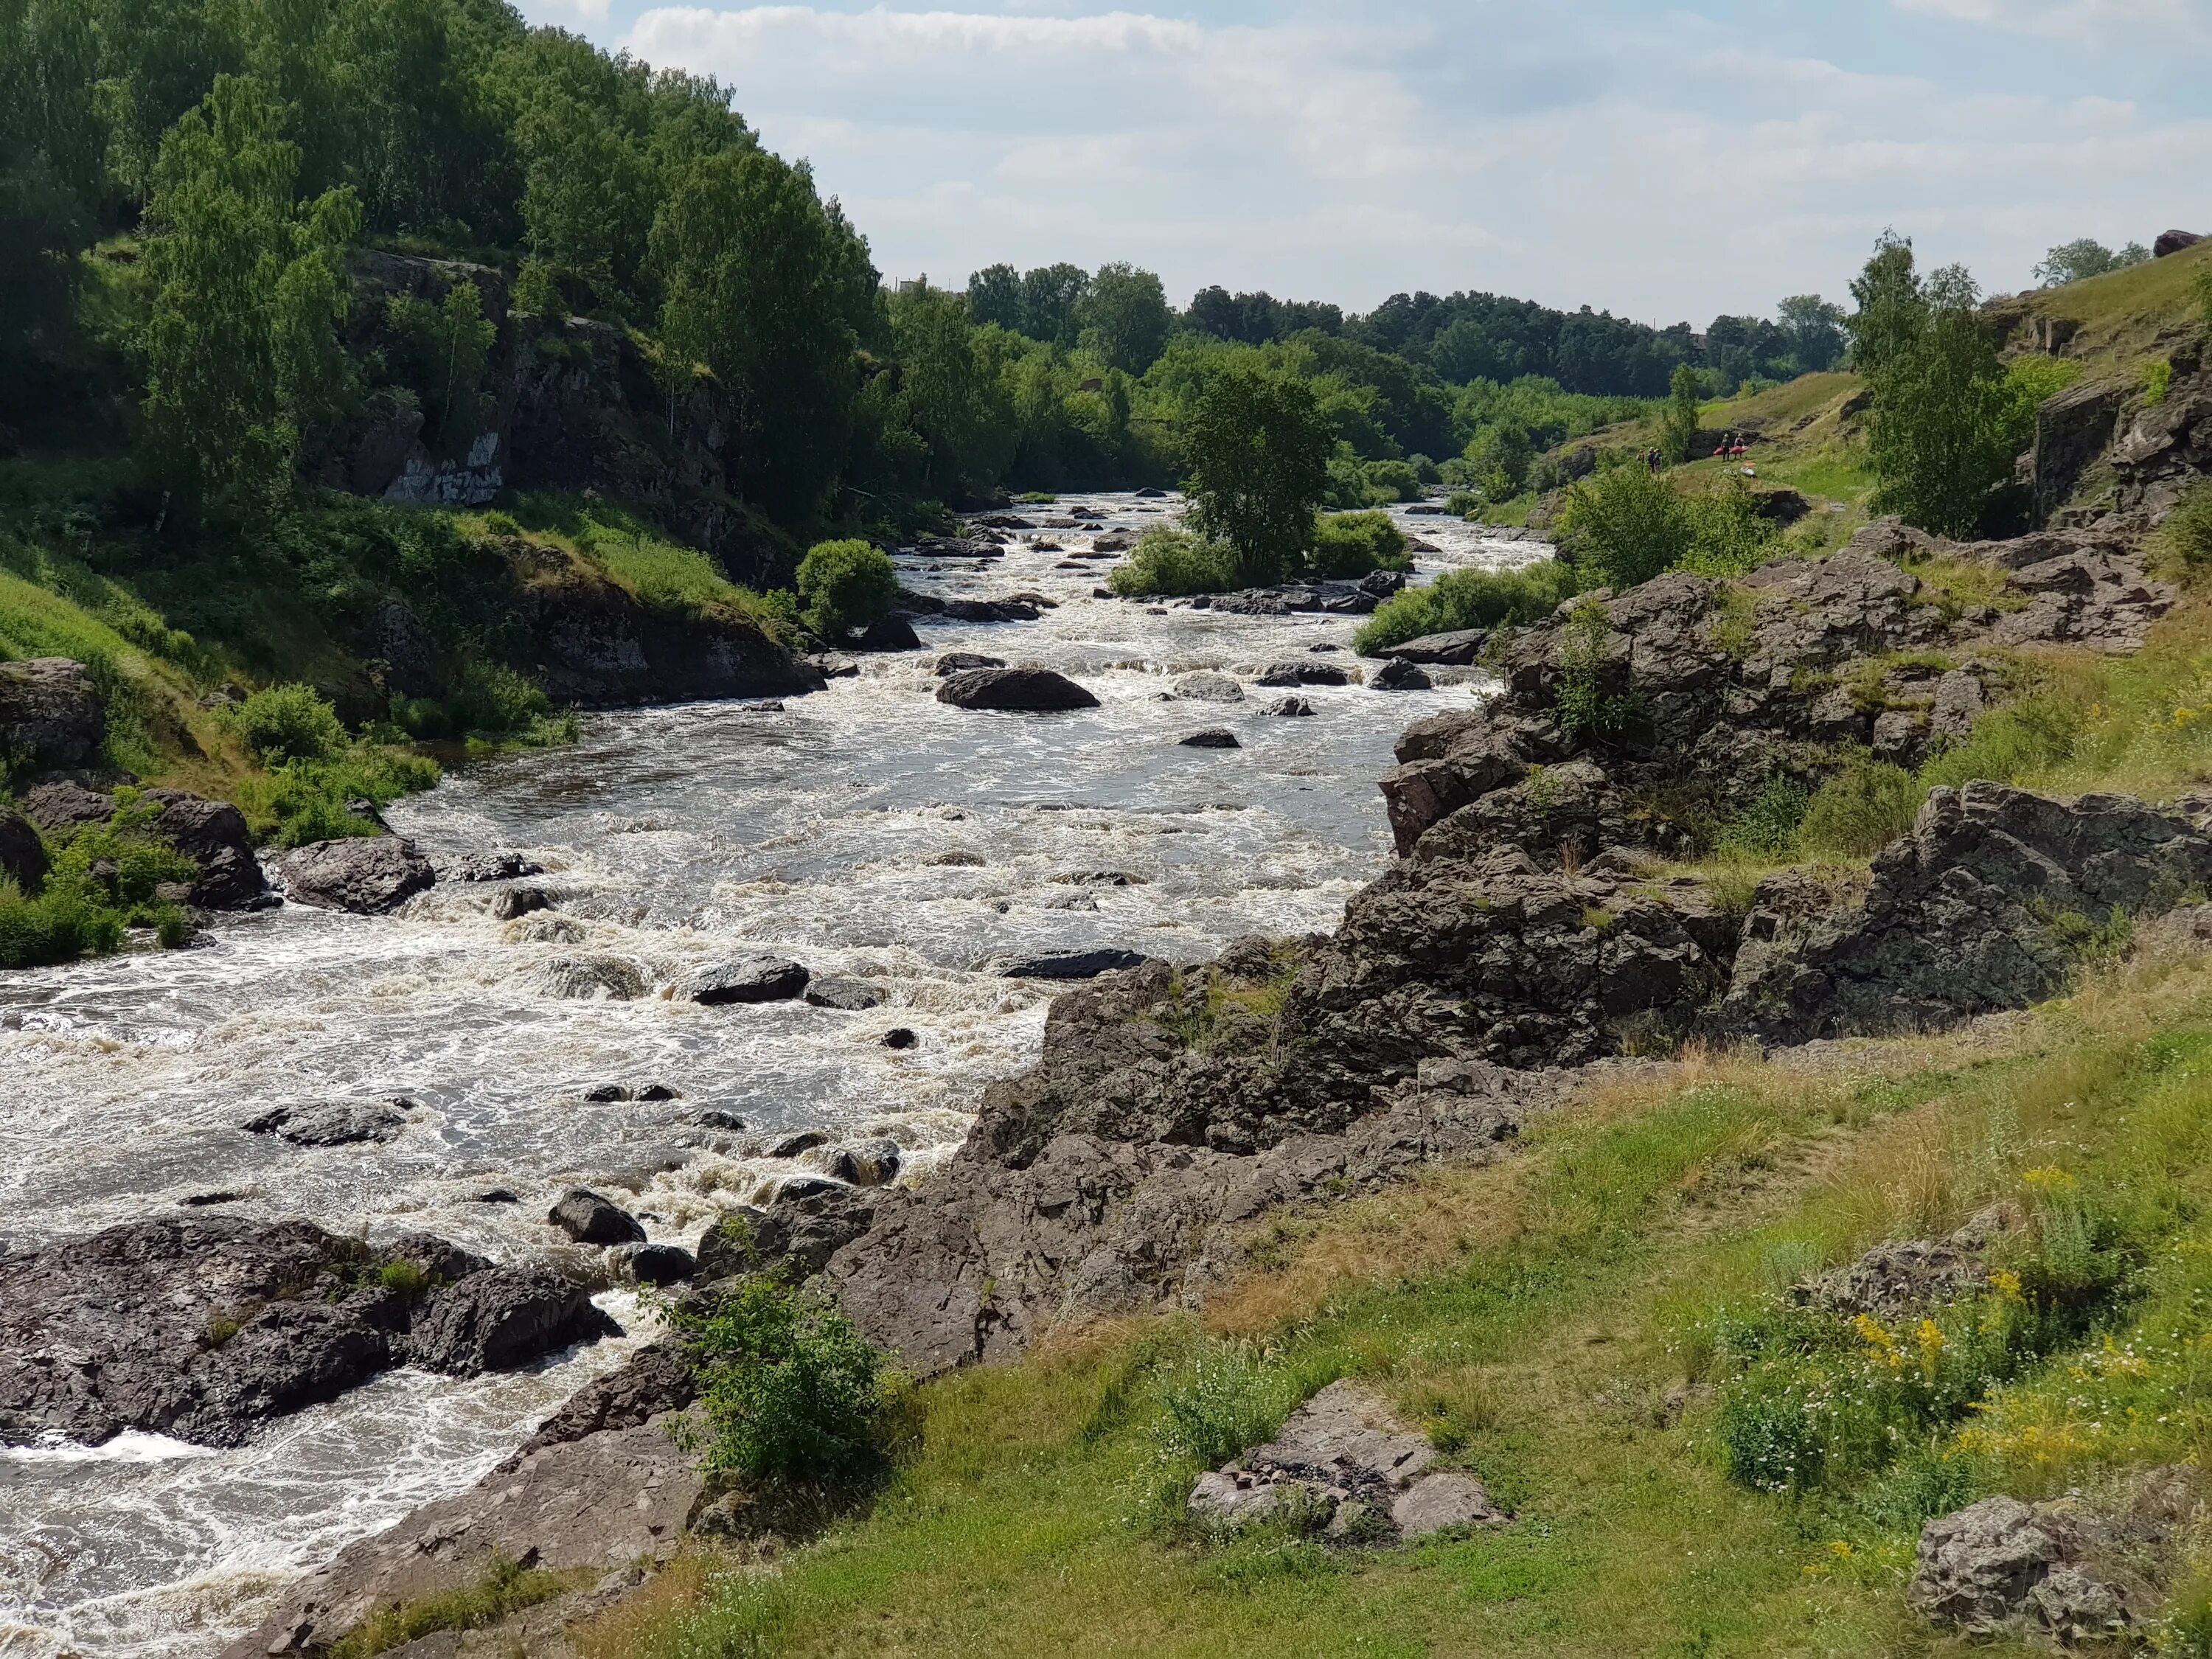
1458	648
748	979
1071	964
1037	690
1347	1463
596	1505
334	1123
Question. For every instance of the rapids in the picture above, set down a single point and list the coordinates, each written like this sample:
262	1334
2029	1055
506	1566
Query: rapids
867	830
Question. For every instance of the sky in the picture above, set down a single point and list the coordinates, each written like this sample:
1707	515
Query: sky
1663	162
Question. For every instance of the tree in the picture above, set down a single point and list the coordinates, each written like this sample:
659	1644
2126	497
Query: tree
587	197
1051	295
1625	525
246	292
1944	428
846	585
759	278
1893	312
1127	310
1817	331
2083	257
1678	427
947	395
995	295
1258	452
51	172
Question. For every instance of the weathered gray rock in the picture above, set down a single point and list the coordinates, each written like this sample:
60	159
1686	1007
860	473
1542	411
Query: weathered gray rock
334	1123
1302	672
2171	242
1206	686
367	875
1977	1566
1028	690
591	979
1987	905
1071	964
1347	1467
1459	648
494	867
50	714
22	854
214	836
960	662
871	1163
1399	674
503	1317
655	1379
805	1224
891	634
1292	709
852	995
1212	737
511	903
753	978
589	1219
660	1264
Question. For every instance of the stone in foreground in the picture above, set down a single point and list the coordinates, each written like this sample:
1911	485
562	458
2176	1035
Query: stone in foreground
589	1219
365	875
748	979
1037	690
1212	737
1345	1463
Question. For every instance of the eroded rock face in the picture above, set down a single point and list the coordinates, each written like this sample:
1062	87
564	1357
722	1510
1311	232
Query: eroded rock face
366	875
501	1317
1987	905
50	714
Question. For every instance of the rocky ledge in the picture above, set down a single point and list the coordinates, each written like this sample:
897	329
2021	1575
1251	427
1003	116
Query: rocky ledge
202	1328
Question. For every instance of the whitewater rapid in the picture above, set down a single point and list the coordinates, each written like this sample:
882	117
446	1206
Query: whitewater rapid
867	830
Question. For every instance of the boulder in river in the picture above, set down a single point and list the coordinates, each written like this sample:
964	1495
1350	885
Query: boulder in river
1308	673
959	662
1213	737
1206	686
367	875
1029	690
805	1224
1458	648
871	1163
334	1123
1399	675
591	979
500	1318
851	995
1070	964
660	1264
891	634
50	714
752	978
214	836
901	1036
1293	707
494	867
590	1218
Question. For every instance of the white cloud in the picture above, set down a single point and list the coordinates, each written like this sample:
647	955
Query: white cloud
2089	21
1665	167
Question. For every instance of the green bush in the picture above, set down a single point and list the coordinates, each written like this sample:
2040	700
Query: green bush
288	722
1769	826
1170	561
102	878
1469	598
1728	537
2188	532
1355	544
1624	525
492	701
304	801
1464	504
846	585
790	1390
57	926
1582	704
1222	1400
1392	481
1863	808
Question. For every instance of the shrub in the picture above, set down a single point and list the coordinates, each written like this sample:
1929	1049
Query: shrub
1583	706
1469	598
288	722
2157	382
304	801
1170	561
1768	827
2188	532
1728	537
790	1390
1354	544
103	879
846	585
1862	809
1464	503
1222	1400
1625	525
55	926
1394	481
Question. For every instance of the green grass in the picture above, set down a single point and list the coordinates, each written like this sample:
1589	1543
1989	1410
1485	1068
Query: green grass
505	1588
1468	599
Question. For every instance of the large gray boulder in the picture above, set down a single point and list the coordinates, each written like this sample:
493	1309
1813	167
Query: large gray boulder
334	1123
1027	689
500	1318
1458	648
214	836
1989	904
589	1219
1976	1567
807	1222
752	978
366	875
50	714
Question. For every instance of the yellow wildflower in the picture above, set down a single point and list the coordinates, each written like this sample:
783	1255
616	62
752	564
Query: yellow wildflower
2049	1180
2006	1283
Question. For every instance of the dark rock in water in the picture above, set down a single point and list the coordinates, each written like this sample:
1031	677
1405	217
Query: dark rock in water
747	979
1987	905
1304	673
721	1120
959	662
1399	675
851	995
834	665
503	1317
660	1264
1293	707
1101	878
494	867
334	1123
589	1219
1072	964
762	706
496	1196
2171	242
50	714
202	1201
891	634
1349	1462
198	1328
605	1094
22	854
1212	738
900	1036
1254	602
1027	689
214	836
871	1163
1459	648
807	1224
804	1141
656	1379
513	903
658	1091
1206	686
591	979
366	875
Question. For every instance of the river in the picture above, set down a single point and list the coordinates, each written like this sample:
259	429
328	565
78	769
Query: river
867	830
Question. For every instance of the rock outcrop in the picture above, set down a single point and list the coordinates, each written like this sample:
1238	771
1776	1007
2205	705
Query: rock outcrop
211	833
203	1327
50	716
367	875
